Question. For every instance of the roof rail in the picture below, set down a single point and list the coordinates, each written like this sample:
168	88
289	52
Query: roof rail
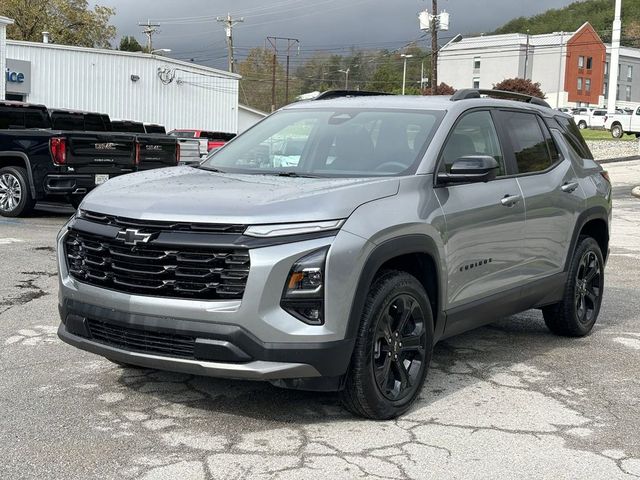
329	94
467	93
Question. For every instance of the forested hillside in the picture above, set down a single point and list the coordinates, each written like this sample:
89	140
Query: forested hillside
597	12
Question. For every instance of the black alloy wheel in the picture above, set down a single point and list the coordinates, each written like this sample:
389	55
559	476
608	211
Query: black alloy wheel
588	287
399	354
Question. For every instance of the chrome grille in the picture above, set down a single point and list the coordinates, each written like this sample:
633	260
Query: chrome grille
147	269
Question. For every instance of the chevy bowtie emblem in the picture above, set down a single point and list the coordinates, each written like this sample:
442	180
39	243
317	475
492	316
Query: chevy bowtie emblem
131	236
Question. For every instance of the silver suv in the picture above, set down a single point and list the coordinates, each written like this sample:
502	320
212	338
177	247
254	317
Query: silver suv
333	244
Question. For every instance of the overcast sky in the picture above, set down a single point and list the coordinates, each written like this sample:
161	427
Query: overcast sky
188	27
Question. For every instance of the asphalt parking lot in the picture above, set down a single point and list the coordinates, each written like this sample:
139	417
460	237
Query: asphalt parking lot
506	401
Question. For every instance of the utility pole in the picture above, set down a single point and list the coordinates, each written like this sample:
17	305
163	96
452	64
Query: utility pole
229	23
434	47
404	71
149	30
346	77
434	21
615	58
273	41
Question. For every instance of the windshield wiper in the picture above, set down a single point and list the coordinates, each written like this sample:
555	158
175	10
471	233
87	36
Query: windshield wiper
292	174
209	169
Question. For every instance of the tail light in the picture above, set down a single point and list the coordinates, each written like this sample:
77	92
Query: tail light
58	147
605	175
211	144
177	153
137	159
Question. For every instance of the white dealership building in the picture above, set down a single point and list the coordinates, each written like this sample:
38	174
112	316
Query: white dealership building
124	85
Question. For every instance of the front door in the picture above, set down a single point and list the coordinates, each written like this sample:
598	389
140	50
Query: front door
484	221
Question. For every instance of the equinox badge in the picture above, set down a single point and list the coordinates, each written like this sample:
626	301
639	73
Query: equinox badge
131	236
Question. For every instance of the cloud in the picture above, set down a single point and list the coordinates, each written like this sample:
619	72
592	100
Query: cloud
189	27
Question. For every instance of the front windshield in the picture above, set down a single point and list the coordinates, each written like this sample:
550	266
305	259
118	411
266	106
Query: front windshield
336	142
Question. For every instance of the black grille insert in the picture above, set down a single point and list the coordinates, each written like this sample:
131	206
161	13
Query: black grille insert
139	340
123	222
147	269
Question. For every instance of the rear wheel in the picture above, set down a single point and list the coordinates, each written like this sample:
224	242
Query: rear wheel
578	311
582	125
15	196
393	349
616	131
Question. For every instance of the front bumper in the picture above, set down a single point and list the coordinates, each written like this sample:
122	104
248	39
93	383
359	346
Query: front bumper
219	350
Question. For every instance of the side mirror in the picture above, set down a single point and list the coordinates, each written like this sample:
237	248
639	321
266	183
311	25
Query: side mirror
470	169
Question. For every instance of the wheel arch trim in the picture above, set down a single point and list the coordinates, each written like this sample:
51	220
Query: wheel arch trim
593	213
382	253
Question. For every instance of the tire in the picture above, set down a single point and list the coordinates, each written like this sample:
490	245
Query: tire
15	195
616	131
576	314
394	346
582	125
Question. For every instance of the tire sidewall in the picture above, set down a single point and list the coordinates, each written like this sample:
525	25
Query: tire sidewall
616	131
24	204
409	285
587	244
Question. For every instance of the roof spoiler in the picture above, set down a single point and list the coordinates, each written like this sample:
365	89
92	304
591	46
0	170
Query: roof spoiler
329	94
467	93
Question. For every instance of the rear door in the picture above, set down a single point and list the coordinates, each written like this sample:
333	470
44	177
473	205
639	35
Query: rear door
551	191
484	221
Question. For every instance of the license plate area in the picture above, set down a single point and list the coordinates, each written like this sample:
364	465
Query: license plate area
101	178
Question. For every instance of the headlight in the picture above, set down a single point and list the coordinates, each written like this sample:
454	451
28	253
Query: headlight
303	295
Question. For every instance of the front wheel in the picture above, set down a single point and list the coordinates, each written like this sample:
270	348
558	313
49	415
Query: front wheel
616	131
582	125
576	314
393	348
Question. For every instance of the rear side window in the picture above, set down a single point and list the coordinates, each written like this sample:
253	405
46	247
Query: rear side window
528	141
11	118
186	134
36	119
94	123
68	122
574	137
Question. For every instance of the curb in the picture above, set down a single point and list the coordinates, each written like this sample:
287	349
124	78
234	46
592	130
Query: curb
636	192
619	159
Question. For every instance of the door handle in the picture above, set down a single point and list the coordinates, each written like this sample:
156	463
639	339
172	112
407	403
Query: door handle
569	187
510	200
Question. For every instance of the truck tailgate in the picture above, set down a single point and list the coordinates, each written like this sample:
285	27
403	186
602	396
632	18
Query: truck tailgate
157	151
94	152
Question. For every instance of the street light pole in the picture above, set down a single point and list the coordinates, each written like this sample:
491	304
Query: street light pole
615	58
404	72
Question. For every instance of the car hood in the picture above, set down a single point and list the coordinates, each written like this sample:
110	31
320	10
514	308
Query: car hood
190	194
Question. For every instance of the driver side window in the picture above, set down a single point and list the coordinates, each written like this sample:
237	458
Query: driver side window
474	134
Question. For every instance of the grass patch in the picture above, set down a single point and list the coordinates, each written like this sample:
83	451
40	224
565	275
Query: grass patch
589	134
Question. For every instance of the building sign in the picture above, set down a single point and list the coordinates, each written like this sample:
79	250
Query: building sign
18	76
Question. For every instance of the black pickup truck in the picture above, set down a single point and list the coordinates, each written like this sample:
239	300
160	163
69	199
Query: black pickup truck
41	162
155	149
